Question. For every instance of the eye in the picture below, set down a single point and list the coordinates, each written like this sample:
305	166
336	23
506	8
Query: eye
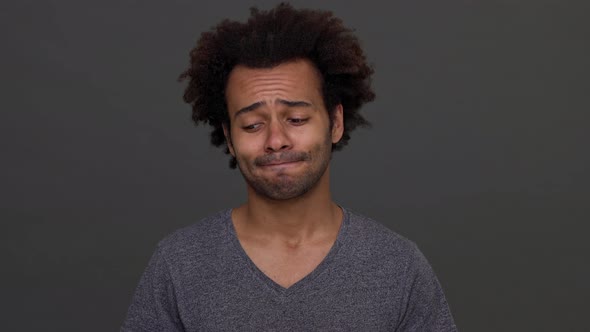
298	121
252	128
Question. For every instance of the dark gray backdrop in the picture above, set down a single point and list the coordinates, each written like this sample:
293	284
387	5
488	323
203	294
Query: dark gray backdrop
478	152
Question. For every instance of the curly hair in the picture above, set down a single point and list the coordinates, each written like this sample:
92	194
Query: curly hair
270	38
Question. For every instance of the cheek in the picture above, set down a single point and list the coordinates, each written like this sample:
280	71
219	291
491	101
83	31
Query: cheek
312	134
245	145
320	145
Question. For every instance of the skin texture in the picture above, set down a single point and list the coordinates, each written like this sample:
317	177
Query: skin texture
281	137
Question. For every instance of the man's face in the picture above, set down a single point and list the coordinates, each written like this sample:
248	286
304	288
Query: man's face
280	128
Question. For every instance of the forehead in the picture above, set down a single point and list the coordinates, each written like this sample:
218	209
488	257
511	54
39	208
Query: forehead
297	79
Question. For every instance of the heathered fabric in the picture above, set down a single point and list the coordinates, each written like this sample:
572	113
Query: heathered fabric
200	279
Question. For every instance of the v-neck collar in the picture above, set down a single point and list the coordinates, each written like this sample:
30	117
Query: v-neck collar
303	282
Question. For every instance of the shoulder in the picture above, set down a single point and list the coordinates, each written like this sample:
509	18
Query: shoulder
197	239
398	263
370	233
371	243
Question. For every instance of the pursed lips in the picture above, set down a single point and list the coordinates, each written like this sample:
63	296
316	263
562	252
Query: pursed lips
280	163
282	159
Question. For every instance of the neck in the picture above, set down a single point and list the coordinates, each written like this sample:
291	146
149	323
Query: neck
296	219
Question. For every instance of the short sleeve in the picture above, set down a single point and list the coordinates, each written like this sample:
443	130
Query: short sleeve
426	308
154	306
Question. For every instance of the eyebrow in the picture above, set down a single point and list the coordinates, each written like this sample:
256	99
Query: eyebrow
289	103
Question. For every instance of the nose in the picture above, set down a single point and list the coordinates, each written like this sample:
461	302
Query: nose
277	139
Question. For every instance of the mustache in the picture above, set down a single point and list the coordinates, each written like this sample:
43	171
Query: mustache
282	157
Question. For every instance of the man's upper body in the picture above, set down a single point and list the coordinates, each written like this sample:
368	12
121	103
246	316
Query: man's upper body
201	279
282	91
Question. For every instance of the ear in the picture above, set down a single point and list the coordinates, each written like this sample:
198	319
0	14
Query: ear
227	134
337	124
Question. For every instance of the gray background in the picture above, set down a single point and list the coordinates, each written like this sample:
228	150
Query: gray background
478	152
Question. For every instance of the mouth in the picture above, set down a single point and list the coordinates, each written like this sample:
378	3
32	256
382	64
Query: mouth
281	160
281	163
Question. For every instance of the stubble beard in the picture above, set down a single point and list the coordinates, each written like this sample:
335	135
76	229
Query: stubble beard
283	186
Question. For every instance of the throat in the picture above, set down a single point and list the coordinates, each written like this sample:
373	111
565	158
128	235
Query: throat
286	263
286	250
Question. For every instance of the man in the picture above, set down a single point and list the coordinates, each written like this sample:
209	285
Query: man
282	91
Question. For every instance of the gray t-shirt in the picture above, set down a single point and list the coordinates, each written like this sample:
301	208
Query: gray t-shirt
200	279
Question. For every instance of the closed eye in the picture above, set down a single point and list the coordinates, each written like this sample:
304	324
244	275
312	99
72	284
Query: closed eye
298	121
253	127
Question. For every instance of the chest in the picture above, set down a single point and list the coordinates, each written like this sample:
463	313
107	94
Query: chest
316	289
286	266
328	303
